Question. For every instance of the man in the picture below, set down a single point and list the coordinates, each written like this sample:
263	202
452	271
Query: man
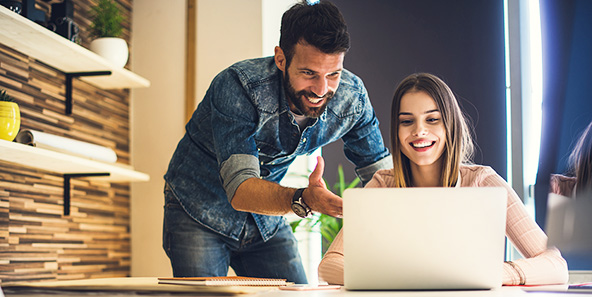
224	205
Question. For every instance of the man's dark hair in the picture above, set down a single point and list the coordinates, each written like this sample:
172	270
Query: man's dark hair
320	25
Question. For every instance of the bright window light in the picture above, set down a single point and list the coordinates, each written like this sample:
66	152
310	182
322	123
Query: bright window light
530	65
509	159
533	112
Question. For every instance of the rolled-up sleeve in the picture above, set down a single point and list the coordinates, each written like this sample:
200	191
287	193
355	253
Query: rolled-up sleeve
366	173
235	170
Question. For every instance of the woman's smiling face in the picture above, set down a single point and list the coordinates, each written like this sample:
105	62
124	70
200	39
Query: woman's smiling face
422	134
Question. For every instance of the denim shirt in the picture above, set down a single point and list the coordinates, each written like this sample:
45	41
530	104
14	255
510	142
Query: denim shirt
243	128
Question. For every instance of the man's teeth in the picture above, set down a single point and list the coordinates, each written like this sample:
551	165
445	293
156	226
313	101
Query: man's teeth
421	144
314	100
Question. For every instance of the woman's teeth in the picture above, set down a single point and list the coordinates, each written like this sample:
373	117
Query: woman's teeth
422	144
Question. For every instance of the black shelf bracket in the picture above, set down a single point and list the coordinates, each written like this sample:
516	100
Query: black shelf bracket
67	194
72	75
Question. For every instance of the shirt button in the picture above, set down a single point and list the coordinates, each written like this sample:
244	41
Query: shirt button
303	140
261	162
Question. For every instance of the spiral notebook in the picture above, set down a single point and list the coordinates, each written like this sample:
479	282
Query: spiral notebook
223	281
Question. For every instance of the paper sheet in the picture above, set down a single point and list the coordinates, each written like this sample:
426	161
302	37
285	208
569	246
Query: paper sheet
66	145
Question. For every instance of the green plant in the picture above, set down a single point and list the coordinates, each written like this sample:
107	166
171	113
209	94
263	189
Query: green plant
5	97
106	19
328	225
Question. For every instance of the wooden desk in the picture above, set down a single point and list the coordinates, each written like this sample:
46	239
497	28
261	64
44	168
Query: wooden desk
503	292
138	286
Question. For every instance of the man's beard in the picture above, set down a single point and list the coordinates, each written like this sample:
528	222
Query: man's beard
297	99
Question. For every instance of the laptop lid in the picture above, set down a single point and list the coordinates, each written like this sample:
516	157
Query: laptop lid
568	225
424	238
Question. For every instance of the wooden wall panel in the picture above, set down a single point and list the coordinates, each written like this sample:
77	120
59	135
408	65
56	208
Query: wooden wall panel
37	242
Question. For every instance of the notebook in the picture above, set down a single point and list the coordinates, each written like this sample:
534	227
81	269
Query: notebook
424	238
223	281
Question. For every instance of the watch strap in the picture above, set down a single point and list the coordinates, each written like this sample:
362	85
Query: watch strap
297	195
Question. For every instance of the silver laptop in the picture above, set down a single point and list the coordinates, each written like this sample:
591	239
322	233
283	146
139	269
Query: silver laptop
424	238
569	228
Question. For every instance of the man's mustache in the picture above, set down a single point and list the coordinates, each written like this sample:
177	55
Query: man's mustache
311	94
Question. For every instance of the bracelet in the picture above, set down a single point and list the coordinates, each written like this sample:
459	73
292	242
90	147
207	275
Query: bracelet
519	271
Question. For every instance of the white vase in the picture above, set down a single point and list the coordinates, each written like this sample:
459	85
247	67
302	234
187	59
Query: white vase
113	49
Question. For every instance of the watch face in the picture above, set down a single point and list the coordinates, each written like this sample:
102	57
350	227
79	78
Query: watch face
299	210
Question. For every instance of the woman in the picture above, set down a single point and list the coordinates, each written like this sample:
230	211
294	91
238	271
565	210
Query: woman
431	147
578	181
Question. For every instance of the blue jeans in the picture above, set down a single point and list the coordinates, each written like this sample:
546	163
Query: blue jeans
195	250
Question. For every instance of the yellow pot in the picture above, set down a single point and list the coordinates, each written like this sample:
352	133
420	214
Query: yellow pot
10	120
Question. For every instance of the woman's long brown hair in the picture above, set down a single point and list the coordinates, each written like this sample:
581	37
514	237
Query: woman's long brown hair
459	144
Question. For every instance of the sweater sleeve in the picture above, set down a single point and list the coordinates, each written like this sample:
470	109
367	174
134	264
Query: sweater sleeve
540	265
331	267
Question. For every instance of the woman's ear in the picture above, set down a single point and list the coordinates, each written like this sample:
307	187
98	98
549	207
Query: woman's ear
280	59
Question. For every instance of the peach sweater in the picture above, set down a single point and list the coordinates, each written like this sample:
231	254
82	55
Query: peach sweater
563	185
541	265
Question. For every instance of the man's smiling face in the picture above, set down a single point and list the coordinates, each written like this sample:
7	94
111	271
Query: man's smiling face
311	78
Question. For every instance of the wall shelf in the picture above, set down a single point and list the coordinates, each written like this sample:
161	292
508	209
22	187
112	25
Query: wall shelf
66	164
31	39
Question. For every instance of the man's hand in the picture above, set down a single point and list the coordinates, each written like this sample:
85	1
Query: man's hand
318	197
264	197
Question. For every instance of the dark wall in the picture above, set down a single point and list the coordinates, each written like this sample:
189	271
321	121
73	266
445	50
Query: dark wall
460	41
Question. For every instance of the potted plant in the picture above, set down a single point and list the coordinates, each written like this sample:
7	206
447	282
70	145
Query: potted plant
106	28
10	117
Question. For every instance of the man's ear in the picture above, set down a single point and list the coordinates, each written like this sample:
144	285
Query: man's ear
280	59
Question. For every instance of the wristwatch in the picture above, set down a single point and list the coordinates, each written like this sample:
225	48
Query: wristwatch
298	206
